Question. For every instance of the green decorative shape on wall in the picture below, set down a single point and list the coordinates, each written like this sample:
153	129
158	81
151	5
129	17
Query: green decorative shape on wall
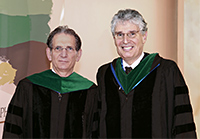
39	27
14	30
19	29
25	7
24	20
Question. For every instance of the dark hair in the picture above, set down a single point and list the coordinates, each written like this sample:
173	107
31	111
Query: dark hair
66	30
130	15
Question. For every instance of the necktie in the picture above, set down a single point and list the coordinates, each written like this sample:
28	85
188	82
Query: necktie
128	69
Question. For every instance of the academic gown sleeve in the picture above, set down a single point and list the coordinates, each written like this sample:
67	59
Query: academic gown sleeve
13	126
183	125
90	120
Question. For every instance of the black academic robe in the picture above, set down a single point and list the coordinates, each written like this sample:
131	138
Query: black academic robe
158	107
39	112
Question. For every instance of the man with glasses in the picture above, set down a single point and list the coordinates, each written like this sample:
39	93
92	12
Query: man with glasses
142	95
56	103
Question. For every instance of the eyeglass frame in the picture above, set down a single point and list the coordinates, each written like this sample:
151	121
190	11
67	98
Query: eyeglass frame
127	34
59	49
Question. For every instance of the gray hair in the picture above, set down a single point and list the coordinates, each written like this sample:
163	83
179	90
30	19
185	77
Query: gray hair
130	15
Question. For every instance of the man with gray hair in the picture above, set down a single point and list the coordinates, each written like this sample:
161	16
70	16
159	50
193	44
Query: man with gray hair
142	95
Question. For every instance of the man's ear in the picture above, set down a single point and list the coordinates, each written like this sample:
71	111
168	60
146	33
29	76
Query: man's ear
145	37
48	53
79	54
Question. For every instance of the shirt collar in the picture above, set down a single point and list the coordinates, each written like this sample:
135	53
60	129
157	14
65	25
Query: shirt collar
134	63
53	71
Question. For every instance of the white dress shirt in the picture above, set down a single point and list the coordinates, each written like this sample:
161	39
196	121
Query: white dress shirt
134	63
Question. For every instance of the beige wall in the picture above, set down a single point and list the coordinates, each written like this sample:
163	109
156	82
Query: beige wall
192	54
91	19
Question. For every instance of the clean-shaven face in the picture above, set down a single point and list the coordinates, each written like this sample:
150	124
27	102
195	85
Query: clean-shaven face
63	61
130	46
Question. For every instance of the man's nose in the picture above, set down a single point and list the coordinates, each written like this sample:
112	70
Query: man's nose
125	39
63	53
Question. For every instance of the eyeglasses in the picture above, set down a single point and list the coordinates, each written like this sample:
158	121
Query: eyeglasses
60	49
131	35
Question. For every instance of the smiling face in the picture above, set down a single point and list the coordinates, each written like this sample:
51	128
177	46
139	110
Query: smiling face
129	48
63	55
